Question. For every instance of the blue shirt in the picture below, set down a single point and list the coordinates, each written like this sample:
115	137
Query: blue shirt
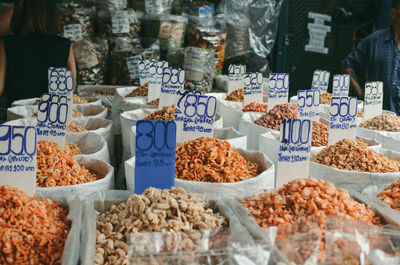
379	58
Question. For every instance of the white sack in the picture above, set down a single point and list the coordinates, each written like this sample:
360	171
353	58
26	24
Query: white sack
22	122
234	137
101	127
71	249
352	179
91	101
24	102
231	111
389	140
265	179
252	130
21	112
128	125
92	91
100	167
92	111
92	146
269	144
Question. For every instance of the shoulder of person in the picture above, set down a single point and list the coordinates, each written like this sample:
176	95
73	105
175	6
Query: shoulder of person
379	34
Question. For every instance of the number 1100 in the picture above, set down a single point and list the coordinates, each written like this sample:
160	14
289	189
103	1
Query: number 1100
295	131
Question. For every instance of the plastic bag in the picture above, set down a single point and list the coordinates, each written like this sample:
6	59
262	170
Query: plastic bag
76	21
199	69
91	58
111	5
158	6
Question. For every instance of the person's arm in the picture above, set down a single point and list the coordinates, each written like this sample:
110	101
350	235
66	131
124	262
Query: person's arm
5	19
71	65
3	65
353	81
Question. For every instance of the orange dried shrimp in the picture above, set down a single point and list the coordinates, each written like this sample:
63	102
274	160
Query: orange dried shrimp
32	231
212	160
73	148
74	127
391	195
319	134
274	117
326	98
167	113
256	107
237	95
57	167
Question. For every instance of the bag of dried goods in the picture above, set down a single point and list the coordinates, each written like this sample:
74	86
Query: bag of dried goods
301	200
105	93
128	121
131	213
385	128
54	230
350	164
92	111
21	112
100	127
24	102
231	135
85	101
89	145
254	124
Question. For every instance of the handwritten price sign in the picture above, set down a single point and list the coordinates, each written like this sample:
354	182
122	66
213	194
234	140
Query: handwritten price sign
194	116
373	99
294	150
155	155
120	22
73	32
342	123
173	80
18	157
52	118
278	89
61	84
320	80
308	104
236	77
253	91
143	70
156	69
133	66
341	84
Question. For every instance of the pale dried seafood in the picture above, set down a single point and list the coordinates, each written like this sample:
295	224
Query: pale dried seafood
237	95
326	98
153	211
78	100
74	127
167	113
274	117
154	102
73	148
388	122
76	113
355	156
319	134
256	107
212	160
141	91
391	195
57	167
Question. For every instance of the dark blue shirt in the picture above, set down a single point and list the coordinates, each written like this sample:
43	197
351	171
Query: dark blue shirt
379	58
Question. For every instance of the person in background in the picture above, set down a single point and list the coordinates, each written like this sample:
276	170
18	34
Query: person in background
26	56
378	57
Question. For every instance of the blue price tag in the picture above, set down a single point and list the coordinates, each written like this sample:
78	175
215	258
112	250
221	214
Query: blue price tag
340	86
278	91
52	118
294	150
320	80
342	122
308	104
155	155
18	157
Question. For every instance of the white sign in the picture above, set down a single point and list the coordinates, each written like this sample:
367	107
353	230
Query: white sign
61	84
253	90
294	151
18	157
317	30
143	71
278	89
320	80
120	22
133	66
342	122
73	32
173	81
308	104
52	118
340	85
194	116
373	99
236	77
155	78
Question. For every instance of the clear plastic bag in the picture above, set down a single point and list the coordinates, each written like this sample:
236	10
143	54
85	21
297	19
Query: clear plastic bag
111	5
199	69
158	6
76	21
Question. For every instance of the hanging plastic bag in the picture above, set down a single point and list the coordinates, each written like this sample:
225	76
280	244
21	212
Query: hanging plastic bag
199	69
76	21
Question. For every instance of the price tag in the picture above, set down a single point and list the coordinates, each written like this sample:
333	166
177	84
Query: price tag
133	66
18	157
156	69
278	91
155	155
143	71
73	32
194	116
236	74
373	99
342	123
173	80
61	84
253	91
341	84
120	22
308	104
320	80
294	150
52	118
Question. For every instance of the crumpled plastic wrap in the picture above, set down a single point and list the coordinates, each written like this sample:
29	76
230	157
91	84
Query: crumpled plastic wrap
158	6
199	69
